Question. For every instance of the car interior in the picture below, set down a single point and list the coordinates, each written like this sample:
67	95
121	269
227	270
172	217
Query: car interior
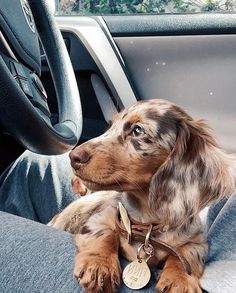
117	60
63	77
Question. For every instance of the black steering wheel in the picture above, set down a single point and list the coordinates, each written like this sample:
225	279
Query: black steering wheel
24	110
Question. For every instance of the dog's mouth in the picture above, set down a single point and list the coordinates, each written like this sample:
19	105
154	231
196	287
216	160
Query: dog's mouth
116	185
97	186
115	181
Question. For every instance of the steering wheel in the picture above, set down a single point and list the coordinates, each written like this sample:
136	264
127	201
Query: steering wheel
24	110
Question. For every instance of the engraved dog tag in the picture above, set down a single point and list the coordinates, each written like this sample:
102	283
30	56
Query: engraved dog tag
136	275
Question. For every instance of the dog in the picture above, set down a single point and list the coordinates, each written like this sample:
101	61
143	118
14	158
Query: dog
163	167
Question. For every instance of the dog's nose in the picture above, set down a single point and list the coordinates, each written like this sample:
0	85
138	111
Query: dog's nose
78	157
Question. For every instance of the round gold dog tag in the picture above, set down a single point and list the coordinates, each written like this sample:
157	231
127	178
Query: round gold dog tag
136	275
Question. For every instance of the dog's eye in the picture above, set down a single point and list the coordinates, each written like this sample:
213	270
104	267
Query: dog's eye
137	131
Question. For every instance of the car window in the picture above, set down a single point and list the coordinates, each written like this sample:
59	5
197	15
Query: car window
96	7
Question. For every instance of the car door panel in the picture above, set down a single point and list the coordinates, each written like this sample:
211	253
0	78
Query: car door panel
188	59
197	72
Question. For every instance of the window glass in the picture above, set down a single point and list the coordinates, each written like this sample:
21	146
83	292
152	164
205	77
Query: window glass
88	7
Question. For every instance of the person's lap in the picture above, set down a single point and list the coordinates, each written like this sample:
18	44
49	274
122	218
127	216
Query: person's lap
33	256
37	258
220	270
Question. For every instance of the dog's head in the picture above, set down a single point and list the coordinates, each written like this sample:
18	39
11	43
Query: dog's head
128	154
155	147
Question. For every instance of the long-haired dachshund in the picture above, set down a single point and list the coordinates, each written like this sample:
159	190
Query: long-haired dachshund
163	167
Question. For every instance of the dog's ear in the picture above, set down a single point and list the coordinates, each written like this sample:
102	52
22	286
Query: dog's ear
195	173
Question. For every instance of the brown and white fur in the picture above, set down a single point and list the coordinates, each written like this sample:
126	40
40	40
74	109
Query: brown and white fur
164	167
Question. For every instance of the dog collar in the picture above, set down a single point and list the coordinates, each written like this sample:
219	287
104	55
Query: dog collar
131	230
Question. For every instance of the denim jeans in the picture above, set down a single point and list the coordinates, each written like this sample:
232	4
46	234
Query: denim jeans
36	258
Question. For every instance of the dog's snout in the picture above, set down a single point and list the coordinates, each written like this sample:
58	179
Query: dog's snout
79	157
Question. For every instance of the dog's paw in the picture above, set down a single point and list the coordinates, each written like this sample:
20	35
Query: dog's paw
97	272
177	282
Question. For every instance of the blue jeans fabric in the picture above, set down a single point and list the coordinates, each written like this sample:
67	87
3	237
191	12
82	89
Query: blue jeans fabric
36	258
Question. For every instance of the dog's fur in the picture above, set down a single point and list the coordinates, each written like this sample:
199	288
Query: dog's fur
164	167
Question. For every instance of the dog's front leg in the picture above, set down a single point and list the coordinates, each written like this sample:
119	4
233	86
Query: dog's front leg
97	265
174	278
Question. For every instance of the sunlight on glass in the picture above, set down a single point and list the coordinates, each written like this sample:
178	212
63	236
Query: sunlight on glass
88	7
